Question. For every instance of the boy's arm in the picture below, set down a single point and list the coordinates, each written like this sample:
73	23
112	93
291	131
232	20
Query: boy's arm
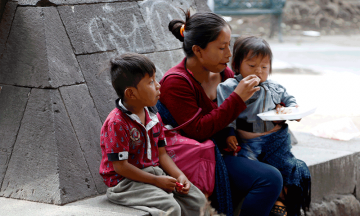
131	172
168	165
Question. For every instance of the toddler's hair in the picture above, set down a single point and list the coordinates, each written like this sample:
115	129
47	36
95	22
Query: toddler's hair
199	29
244	45
128	69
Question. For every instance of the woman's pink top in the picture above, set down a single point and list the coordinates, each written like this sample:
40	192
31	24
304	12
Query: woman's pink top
182	102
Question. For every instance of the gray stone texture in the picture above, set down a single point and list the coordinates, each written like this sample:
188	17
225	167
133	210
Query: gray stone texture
165	60
336	205
336	176
2	7
65	2
38	52
12	106
47	164
334	164
104	27
87	125
5	24
99	84
201	6
157	15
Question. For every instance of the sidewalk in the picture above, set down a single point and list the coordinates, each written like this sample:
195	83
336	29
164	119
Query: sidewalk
303	66
320	71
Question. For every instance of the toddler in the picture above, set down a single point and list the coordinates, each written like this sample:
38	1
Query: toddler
268	142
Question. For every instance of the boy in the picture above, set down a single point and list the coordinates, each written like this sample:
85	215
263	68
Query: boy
133	146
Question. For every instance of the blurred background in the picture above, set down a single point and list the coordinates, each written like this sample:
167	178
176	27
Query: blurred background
319	55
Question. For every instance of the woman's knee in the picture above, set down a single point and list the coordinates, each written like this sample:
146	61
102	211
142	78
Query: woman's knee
271	178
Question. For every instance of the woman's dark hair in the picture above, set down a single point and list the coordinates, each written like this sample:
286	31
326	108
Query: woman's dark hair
244	45
128	69
200	29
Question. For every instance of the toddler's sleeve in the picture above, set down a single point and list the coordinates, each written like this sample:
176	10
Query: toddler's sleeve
287	99
224	90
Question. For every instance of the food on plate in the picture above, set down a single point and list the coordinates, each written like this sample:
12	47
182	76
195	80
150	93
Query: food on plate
284	110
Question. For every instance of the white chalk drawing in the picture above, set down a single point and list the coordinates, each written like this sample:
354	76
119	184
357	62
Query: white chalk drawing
108	34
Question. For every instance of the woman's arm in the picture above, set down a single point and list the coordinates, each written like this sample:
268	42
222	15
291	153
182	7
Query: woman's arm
179	98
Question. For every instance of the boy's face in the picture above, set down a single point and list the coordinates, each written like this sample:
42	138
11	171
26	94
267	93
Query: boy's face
258	65
148	91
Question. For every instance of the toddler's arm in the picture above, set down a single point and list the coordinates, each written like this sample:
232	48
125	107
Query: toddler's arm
286	98
130	171
232	143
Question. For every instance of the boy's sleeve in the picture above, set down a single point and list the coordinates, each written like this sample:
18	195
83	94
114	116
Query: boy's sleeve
116	141
162	139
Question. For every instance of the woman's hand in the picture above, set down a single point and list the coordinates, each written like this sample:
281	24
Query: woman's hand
182	179
246	88
232	143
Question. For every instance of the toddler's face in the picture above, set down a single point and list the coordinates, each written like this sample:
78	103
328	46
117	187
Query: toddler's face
258	65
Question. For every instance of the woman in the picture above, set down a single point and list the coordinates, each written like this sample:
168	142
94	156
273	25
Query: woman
206	40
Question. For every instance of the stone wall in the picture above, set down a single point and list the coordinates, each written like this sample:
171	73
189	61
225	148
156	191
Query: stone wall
53	100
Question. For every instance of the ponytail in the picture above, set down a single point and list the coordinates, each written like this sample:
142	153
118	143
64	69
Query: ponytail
199	29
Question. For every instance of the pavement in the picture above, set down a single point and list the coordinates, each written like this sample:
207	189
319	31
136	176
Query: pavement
319	71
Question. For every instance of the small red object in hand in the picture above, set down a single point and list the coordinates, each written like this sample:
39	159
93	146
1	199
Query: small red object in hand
179	186
238	148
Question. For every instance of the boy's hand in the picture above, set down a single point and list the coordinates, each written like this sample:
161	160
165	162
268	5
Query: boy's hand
232	143
182	179
167	183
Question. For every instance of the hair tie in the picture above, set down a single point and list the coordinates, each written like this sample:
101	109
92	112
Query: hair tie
182	29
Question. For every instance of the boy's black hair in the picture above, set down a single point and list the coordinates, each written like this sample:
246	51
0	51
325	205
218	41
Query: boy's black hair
244	45
128	69
200	29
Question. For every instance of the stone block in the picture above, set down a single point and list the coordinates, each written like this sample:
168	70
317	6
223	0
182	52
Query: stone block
5	24
201	6
99	85
336	205
157	15
332	171
2	7
44	3
47	164
12	107
38	51
357	171
165	60
103	27
87	125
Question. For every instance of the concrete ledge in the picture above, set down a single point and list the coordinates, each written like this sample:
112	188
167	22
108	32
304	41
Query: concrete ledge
95	206
334	165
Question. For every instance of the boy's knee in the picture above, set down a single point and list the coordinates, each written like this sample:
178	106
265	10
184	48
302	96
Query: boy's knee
172	207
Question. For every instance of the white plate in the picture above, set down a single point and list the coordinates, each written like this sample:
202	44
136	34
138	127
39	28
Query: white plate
293	114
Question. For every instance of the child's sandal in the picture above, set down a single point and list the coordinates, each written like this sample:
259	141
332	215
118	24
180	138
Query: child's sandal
278	211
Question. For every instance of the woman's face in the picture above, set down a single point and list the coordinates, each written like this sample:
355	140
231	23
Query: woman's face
258	65
216	55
